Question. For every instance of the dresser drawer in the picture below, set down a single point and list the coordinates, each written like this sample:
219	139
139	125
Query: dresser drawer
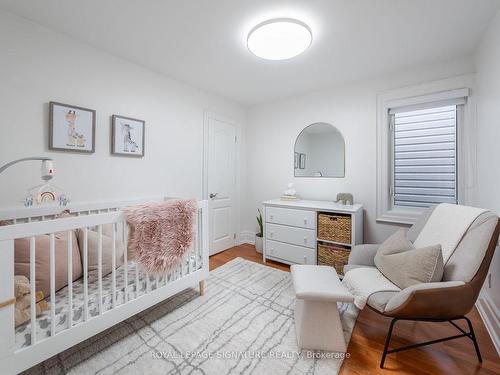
291	235
289	216
290	253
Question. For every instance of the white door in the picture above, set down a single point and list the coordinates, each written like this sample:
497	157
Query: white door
221	178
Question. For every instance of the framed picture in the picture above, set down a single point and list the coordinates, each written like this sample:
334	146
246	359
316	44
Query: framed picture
71	128
295	160
302	161
127	136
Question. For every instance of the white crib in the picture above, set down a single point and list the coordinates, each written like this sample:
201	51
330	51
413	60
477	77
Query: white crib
104	303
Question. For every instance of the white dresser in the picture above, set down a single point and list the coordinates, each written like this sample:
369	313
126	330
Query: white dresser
291	230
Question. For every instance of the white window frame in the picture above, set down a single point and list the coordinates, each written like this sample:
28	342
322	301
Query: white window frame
435	92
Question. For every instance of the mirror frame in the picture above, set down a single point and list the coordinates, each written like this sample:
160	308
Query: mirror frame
295	144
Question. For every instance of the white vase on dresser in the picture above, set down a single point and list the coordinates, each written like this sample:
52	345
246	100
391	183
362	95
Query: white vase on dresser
291	229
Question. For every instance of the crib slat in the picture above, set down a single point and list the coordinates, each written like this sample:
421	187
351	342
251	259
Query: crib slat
85	273
125	262
52	259
113	266
148	283
99	268
157	282
197	242
33	290
195	245
136	280
70	279
189	258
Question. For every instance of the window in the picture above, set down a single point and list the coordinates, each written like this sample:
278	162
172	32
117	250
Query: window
425	153
424	156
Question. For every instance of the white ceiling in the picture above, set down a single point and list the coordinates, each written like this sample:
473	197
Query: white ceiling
203	42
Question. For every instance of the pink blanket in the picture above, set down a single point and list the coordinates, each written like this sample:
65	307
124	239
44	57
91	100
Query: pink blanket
160	234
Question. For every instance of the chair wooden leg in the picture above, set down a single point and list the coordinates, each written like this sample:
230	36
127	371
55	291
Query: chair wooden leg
387	342
202	287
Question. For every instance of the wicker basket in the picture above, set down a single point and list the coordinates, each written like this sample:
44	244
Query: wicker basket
333	255
334	227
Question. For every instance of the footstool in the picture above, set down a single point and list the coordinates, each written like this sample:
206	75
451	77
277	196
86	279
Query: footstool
317	319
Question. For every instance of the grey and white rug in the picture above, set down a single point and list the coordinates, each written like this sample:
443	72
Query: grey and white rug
242	325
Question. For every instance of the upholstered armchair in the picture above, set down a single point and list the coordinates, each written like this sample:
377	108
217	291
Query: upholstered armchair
446	301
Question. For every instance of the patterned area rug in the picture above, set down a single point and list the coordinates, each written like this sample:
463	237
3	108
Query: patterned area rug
242	325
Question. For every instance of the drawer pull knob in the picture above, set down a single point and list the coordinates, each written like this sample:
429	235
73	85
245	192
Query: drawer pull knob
305	221
305	239
305	260
272	233
272	217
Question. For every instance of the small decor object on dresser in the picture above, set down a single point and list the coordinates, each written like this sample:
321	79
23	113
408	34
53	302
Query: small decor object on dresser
71	128
345	198
290	194
127	136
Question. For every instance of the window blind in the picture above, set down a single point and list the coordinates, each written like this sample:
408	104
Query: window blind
425	156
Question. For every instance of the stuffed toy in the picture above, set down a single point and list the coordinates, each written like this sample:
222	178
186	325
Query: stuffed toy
23	300
345	198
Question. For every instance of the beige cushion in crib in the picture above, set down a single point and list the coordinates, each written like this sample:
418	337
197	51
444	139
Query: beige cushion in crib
42	260
107	251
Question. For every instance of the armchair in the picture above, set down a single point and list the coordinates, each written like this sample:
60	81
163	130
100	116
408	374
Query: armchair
446	301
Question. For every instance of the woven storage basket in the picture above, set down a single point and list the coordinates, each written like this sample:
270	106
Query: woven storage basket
334	227
332	255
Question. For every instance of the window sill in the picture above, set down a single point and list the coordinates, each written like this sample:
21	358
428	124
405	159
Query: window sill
407	216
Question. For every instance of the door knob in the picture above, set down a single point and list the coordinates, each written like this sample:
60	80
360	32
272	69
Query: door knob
213	195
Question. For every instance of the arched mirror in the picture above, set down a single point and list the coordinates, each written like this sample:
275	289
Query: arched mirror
319	152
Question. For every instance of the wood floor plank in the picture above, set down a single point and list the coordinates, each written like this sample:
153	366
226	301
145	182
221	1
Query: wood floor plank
367	342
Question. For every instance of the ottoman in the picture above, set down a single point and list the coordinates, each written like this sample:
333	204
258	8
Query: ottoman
317	319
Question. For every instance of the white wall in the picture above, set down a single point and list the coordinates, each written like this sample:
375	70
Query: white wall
488	155
273	127
38	65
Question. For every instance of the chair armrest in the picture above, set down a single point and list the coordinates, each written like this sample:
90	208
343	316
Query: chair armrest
441	300
363	255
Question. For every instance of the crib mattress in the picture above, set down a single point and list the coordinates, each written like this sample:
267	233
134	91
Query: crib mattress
43	321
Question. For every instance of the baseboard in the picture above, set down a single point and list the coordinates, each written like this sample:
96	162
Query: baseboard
491	317
247	236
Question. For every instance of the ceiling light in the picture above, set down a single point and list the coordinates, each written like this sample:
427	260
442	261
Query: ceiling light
279	39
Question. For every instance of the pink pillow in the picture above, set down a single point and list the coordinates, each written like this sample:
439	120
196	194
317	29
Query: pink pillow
42	259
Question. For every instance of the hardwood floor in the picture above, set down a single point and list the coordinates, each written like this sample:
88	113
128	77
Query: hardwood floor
367	341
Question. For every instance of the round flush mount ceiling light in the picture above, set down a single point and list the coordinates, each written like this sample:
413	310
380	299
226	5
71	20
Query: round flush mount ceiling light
279	39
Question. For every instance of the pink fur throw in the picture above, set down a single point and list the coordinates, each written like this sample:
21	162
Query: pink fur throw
160	234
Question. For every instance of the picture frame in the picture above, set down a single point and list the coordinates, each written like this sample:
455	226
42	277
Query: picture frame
302	161
296	160
127	136
71	128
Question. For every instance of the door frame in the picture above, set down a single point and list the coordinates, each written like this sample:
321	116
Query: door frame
207	115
